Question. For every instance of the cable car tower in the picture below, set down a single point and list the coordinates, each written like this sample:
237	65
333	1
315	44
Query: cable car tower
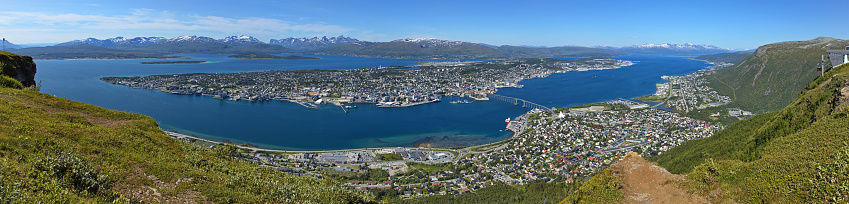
821	65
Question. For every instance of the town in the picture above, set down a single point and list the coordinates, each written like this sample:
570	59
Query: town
549	145
562	145
384	86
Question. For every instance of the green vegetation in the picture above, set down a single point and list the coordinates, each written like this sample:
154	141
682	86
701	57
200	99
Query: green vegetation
731	58
650	98
59	151
705	114
390	157
501	193
601	188
9	82
428	168
795	155
368	175
771	78
266	56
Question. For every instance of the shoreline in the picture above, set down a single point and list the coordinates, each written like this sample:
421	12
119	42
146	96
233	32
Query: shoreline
181	136
519	120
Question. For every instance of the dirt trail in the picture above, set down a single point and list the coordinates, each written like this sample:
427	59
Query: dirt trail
646	182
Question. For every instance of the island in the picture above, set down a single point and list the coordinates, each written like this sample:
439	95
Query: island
174	62
266	56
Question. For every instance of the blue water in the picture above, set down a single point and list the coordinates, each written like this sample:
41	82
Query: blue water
284	125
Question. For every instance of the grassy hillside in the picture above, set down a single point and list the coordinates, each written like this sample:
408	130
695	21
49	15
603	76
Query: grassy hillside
731	58
772	76
55	150
798	154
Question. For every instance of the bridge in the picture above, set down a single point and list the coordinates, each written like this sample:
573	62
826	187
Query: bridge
517	101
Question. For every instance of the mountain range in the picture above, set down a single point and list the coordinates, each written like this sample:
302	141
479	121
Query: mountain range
686	49
9	45
310	44
341	45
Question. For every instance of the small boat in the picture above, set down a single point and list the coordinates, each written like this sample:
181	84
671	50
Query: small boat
507	120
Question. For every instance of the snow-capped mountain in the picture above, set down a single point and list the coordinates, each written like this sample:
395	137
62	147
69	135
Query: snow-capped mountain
313	43
670	49
190	39
110	42
241	39
431	42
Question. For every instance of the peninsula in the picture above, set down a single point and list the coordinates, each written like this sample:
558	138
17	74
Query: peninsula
386	86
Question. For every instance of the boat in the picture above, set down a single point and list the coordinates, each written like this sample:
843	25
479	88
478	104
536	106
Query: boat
507	120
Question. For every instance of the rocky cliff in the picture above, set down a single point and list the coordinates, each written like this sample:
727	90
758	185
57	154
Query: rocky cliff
19	67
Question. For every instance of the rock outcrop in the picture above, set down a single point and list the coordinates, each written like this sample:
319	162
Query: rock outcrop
20	67
646	182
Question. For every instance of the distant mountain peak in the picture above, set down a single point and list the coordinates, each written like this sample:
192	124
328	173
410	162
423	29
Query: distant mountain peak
110	42
670	49
313	43
241	39
190	38
430	42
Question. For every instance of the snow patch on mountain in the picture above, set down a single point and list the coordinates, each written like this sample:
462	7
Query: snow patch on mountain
431	42
312	43
241	39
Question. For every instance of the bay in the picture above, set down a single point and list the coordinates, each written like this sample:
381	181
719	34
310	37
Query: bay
284	125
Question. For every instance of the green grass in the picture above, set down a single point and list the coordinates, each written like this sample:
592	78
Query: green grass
390	157
54	150
650	98
795	155
770	78
601	188
501	193
431	167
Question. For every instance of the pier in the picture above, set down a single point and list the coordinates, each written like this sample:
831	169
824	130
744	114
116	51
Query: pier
517	101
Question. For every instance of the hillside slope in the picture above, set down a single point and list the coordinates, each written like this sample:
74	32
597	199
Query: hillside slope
59	151
798	154
772	76
731	58
54	150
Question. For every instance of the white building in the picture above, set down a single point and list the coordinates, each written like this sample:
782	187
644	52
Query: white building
838	57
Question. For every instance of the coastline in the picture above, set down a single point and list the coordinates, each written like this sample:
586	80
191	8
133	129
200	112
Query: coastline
182	136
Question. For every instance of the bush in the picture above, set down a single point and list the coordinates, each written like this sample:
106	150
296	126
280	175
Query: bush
9	82
77	172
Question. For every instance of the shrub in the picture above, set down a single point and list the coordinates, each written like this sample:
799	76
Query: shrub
9	82
77	172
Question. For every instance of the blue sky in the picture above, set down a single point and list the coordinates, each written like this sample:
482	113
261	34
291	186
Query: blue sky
736	24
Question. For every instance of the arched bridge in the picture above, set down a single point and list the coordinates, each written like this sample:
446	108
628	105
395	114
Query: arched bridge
517	101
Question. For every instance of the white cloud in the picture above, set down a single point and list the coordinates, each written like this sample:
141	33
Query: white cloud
156	22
